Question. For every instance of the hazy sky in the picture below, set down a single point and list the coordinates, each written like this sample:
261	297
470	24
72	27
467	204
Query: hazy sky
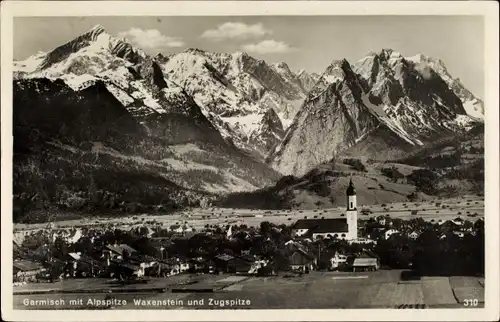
309	42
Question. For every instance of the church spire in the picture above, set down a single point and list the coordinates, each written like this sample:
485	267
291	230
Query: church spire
351	191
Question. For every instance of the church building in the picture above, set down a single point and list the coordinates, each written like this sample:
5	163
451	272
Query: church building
340	228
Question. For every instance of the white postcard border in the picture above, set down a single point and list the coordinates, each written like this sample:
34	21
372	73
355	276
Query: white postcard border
488	9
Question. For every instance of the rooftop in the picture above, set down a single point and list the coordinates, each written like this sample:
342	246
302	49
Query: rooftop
323	225
365	262
25	265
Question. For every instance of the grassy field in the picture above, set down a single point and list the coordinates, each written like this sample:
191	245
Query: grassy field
381	289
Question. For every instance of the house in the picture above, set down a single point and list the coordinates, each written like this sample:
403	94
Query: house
362	241
301	260
388	233
338	261
142	230
199	264
118	251
458	221
42	253
70	236
258	265
449	225
160	246
366	260
232	264
184	228
83	265
365	264
26	271
127	270
414	235
382	220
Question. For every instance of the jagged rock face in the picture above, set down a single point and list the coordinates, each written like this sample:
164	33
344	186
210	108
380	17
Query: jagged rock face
307	81
151	71
473	106
331	119
413	97
384	106
270	131
235	90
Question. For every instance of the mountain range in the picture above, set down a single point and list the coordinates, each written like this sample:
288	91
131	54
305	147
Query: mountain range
382	107
179	129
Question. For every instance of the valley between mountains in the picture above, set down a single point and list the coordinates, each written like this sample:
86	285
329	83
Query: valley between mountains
101	127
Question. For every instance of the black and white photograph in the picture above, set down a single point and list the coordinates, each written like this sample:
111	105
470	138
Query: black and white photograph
250	162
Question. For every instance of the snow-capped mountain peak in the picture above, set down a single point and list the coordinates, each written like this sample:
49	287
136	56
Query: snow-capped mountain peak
92	43
336	71
381	107
282	67
30	63
472	104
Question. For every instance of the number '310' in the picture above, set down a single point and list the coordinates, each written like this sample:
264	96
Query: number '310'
471	302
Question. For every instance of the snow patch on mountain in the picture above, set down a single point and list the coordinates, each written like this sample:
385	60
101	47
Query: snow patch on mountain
392	123
30	64
472	105
247	124
474	108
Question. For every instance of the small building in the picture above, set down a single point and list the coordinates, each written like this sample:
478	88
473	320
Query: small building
118	251
26	271
365	264
183	228
388	233
382	220
232	264
338	261
129	269
199	264
414	235
362	241
302	261
448	226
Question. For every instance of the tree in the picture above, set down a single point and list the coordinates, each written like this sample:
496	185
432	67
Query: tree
60	249
265	228
392	173
356	164
424	179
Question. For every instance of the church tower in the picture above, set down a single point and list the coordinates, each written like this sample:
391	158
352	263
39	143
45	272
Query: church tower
352	211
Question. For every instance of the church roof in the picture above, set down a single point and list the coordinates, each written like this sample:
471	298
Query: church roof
336	225
351	191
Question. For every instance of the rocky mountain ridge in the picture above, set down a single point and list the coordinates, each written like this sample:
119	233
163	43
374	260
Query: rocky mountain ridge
381	107
234	91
